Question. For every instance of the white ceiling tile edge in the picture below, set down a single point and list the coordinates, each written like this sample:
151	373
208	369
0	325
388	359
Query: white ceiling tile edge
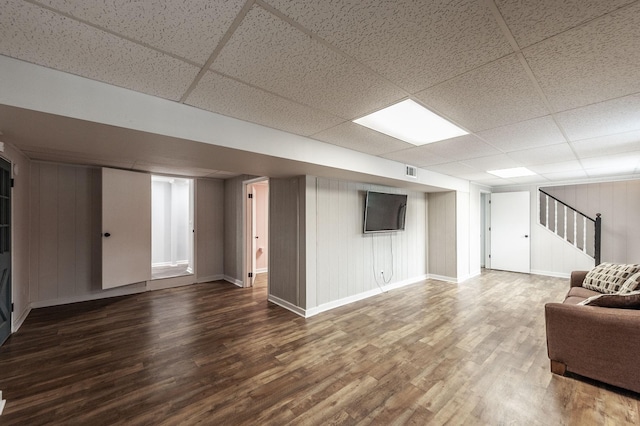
37	88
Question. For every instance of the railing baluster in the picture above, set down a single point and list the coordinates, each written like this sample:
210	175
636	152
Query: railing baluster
575	228
565	222
584	234
555	216
546	207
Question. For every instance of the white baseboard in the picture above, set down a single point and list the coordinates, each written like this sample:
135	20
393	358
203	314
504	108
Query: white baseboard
287	305
360	296
551	273
20	320
122	291
234	281
452	280
262	270
210	278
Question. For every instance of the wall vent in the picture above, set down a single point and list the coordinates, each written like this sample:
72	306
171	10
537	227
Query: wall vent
411	171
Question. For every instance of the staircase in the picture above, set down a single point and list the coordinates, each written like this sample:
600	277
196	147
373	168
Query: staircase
575	227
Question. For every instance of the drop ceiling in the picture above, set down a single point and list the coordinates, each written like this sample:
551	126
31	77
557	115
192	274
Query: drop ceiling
549	85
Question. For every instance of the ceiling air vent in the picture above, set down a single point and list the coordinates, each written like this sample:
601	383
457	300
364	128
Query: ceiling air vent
411	171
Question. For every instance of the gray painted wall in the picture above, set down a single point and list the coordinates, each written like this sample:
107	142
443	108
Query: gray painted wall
619	203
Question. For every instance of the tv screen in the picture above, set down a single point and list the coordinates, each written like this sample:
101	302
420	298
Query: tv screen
384	212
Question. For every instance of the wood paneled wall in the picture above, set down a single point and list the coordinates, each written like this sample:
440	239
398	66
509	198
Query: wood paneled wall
619	204
442	235
348	262
20	232
65	232
65	241
233	228
209	218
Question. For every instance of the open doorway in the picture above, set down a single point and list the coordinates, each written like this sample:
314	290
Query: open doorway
485	230
256	232
172	205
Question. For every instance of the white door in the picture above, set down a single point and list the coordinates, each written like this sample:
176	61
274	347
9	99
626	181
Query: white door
126	227
510	231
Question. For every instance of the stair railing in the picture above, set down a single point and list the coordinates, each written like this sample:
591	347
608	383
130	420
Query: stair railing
573	226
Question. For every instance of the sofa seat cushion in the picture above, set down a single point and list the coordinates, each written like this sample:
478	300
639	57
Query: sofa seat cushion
574	300
581	292
628	300
611	278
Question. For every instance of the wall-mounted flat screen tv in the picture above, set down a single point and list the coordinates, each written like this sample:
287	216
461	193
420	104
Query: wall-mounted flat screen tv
384	212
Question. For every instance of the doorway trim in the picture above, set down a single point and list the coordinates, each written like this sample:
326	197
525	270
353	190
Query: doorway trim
247	238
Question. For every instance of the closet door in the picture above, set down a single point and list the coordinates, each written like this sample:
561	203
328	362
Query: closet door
126	227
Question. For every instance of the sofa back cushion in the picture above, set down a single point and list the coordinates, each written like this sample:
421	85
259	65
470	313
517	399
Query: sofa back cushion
612	278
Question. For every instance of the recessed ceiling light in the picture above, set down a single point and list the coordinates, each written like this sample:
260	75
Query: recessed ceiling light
411	122
512	173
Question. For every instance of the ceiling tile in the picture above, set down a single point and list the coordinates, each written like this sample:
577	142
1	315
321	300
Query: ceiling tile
168	169
526	134
415	44
565	175
189	30
618	164
229	97
45	38
591	63
481	177
606	118
452	169
462	148
494	95
531	22
548	154
492	162
417	156
608	145
360	138
563	166
270	53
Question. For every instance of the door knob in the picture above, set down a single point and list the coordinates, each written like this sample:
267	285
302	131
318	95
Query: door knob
106	234
526	236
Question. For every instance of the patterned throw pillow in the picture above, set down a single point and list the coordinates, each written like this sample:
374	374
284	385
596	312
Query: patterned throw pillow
632	283
628	300
610	278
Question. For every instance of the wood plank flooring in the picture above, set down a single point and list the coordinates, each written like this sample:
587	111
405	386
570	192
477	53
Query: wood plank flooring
213	354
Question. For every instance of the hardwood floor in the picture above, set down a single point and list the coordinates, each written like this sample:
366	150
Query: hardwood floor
430	353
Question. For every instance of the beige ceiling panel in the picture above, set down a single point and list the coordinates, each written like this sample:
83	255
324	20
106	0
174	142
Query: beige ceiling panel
189	30
452	169
271	54
559	176
619	164
608	145
531	22
526	134
492	162
360	138
45	38
482	177
564	166
229	97
494	95
591	63
419	156
606	118
548	154
415	44
462	148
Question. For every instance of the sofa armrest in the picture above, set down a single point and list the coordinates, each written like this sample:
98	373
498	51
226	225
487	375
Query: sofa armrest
596	342
577	277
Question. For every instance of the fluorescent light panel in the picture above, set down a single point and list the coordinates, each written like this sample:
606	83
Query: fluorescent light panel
512	173
411	122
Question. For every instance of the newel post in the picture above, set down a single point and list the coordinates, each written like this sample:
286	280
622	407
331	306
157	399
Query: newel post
597	238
